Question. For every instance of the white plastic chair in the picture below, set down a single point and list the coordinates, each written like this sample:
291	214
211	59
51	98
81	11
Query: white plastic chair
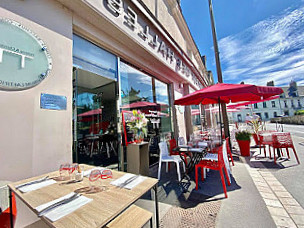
165	157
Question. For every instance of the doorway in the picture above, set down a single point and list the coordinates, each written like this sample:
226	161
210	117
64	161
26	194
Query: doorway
95	140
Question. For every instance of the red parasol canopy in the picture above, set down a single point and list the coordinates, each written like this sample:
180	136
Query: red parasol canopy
228	93
139	104
91	113
236	105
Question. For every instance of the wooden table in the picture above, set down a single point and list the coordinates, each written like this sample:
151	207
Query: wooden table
106	205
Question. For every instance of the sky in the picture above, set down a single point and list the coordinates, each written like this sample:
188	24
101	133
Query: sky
259	40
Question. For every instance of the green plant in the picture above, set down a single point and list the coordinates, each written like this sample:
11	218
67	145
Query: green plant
256	126
242	135
299	112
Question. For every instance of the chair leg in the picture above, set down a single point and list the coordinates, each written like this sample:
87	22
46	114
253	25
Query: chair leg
184	167
269	151
287	151
274	156
295	153
223	182
159	170
196	177
167	163
202	173
227	176
178	171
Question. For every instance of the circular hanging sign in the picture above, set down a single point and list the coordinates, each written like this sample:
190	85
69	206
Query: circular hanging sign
24	58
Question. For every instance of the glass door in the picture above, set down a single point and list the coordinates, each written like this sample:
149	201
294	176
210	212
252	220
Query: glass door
94	119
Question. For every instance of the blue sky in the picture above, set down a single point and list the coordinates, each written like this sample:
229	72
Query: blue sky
259	40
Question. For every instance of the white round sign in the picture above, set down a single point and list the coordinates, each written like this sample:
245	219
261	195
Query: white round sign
24	58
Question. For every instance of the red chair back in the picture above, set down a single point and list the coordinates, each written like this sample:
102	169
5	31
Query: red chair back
5	215
172	145
282	140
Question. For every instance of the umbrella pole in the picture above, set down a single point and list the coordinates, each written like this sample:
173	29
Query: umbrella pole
220	116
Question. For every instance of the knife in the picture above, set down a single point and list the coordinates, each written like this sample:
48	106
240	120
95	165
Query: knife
128	181
61	202
32	182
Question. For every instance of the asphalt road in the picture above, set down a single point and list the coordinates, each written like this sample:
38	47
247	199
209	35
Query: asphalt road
289	173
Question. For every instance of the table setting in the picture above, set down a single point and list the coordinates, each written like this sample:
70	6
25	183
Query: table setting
74	189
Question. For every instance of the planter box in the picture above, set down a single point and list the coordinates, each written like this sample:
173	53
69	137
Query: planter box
244	147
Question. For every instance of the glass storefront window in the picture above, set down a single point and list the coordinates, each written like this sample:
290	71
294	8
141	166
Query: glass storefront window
141	92
89	57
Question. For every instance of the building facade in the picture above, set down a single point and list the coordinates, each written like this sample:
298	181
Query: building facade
79	65
285	105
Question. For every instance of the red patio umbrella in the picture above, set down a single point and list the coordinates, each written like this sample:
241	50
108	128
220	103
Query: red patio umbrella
91	112
236	105
225	93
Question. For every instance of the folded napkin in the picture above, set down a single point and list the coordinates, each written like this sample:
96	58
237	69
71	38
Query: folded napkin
65	209
36	186
87	172
122	180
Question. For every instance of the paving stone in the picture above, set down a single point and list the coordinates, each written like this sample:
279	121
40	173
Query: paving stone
298	219
277	188
269	178
281	221
274	183
268	195
261	184
277	211
294	210
272	203
263	189
283	194
289	201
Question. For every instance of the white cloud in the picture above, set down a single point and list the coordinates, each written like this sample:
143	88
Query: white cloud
272	49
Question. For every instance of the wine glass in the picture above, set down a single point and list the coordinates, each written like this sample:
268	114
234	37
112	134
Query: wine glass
95	178
64	170
73	168
106	174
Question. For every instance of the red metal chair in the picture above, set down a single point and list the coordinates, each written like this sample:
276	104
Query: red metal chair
265	140
5	215
172	145
215	165
282	140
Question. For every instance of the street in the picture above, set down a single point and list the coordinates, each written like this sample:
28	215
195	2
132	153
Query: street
290	174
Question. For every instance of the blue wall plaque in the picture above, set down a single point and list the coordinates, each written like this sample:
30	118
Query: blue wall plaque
54	102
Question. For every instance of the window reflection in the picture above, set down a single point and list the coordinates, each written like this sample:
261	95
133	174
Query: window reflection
142	92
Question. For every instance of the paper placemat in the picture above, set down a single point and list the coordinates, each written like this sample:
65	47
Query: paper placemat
125	178
36	186
65	209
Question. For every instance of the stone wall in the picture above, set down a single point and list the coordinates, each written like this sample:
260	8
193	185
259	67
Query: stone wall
289	120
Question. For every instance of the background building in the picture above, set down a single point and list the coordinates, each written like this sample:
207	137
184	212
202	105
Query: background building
289	102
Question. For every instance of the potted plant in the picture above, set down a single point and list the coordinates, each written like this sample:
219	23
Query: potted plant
256	126
243	139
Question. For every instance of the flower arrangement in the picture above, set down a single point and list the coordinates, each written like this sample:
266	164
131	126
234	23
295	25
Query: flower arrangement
138	124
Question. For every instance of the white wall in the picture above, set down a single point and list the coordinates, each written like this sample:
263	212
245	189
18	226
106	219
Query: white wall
34	140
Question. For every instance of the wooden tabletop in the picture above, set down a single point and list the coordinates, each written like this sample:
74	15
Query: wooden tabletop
105	206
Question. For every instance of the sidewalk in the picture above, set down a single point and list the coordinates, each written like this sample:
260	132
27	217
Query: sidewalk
255	198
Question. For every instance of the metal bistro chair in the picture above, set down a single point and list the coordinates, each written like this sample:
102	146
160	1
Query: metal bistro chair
215	164
283	140
172	145
165	157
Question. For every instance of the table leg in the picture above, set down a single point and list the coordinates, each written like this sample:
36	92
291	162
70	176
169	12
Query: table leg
156	206
11	208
